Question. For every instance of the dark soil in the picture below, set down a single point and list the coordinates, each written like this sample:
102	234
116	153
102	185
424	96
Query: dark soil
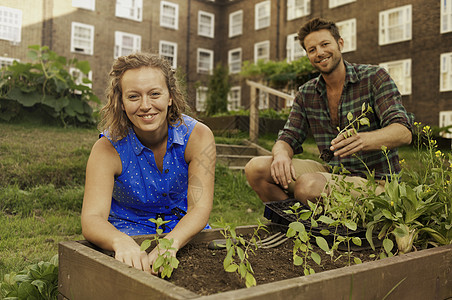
201	269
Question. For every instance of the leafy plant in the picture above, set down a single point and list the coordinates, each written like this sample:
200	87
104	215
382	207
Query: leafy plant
37	281
217	95
303	249
166	262
46	86
237	251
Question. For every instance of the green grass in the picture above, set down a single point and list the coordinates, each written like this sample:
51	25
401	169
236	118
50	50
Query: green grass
42	173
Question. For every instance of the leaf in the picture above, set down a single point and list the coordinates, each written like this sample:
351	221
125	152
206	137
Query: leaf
158	262
349	116
356	240
325	219
322	243
363	107
297	226
240	253
325	232
315	257
145	245
388	245
231	268
364	121
357	260
297	260
351	225
250	280
26	99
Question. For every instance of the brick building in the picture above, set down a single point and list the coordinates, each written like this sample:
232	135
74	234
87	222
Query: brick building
411	38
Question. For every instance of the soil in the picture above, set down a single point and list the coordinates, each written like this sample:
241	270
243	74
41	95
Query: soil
201	269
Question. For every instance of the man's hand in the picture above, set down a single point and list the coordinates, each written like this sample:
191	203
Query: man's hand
348	143
282	170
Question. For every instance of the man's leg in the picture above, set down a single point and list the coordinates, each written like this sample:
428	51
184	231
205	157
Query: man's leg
257	172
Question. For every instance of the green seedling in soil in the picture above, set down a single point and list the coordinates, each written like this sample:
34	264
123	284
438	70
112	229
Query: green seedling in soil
303	249
166	262
238	250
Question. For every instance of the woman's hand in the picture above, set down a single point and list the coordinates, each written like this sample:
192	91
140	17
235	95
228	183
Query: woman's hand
130	254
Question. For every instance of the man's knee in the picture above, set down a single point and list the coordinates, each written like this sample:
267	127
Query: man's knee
257	166
309	186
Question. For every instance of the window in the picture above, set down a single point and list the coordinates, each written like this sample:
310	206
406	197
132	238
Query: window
446	16
395	25
80	78
129	9
334	3
235	60
400	72
85	4
205	61
82	38
262	51
446	72
235	23
234	98
347	30
201	97
294	50
6	61
169	15
206	24
263	100
262	15
10	24
126	43
168	50
298	8
445	119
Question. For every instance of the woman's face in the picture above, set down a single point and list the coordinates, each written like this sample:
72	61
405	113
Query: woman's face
145	99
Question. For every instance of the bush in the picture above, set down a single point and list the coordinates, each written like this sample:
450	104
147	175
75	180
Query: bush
46	87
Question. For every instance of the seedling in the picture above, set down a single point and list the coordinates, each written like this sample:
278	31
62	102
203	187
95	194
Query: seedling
166	262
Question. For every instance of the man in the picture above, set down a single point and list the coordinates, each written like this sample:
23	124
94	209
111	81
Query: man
322	105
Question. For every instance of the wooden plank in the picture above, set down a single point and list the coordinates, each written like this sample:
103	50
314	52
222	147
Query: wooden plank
270	90
426	274
254	115
85	273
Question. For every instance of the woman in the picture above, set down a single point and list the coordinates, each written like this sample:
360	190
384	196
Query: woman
151	161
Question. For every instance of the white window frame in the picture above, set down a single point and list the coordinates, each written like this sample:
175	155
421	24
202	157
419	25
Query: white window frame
236	23
263	100
298	8
403	82
173	57
85	4
262	21
294	51
445	72
201	98
261	45
7	61
78	76
210	27
347	29
235	65
336	3
234	98
119	46
11	28
446	16
130	9
89	50
174	17
404	27
445	119
200	69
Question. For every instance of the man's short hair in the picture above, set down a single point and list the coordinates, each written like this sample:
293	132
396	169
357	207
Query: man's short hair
317	24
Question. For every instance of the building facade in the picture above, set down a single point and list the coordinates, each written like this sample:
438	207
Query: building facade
412	39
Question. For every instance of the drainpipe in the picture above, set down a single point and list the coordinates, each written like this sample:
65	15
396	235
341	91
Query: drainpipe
278	10
187	48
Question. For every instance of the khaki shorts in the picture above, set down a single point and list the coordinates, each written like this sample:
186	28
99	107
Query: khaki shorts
303	166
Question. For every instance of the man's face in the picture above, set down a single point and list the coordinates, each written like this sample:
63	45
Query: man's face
323	51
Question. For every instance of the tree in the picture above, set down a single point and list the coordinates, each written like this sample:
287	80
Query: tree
218	90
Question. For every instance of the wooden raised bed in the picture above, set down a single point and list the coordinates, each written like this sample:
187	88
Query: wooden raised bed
87	273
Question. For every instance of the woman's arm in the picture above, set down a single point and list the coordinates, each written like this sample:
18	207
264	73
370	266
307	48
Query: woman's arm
103	164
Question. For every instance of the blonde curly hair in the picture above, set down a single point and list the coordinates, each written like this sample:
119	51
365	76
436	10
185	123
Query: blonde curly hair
113	119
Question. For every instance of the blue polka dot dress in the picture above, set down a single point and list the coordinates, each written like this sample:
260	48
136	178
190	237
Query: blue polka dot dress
142	191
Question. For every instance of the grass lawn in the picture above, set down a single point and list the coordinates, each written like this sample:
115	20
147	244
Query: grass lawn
41	190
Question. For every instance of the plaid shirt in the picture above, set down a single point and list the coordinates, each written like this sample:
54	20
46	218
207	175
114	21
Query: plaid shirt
363	84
